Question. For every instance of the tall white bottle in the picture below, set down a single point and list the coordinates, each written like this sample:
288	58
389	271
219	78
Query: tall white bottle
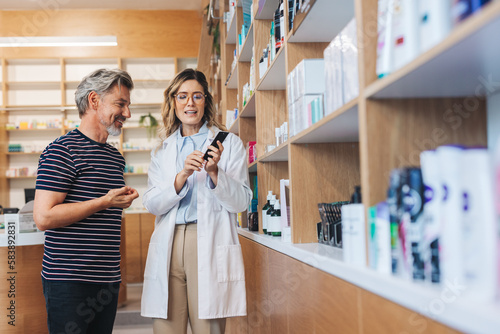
434	22
452	213
405	39
384	31
479	226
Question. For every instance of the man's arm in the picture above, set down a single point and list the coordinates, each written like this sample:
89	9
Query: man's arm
50	212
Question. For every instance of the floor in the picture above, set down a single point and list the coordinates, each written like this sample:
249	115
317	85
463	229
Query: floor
128	318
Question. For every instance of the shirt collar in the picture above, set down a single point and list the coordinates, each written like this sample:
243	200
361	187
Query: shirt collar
203	131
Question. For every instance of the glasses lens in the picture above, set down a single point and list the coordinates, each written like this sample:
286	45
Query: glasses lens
198	97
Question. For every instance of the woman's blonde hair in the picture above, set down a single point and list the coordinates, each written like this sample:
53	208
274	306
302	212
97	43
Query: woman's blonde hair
170	123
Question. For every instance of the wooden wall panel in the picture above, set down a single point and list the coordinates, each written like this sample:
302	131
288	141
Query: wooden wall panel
319	173
140	33
383	316
247	129
30	312
257	286
271	112
296	52
415	125
133	245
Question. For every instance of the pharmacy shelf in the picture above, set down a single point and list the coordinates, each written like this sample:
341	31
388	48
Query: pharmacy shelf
339	126
35	129
134	174
231	33
232	81
249	108
235	127
280	153
24	153
464	64
246	50
322	21
21	177
33	85
448	304
252	168
266	9
136	151
275	76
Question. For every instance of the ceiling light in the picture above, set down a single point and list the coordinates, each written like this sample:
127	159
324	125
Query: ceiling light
58	41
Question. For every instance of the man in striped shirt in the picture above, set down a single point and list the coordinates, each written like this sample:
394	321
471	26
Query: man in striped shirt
80	195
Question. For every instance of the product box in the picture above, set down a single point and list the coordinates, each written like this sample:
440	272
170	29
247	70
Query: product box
301	119
334	88
350	61
310	77
23	220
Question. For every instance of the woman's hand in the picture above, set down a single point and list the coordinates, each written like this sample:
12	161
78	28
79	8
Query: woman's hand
213	159
193	163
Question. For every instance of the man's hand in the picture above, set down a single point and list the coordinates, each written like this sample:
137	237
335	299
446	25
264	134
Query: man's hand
121	198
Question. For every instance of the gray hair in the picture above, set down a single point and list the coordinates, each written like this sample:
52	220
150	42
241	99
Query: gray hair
101	81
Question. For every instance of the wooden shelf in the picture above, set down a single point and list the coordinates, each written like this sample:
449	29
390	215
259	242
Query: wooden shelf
231	33
280	153
21	177
135	174
48	129
252	168
249	108
136	151
24	153
246	50
339	126
275	76
266	11
323	21
232	82
235	127
458	66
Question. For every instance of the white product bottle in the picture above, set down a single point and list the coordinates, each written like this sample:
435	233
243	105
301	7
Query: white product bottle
358	235
384	46
404	41
479	226
274	225
264	211
269	212
434	22
383	239
432	213
346	233
452	213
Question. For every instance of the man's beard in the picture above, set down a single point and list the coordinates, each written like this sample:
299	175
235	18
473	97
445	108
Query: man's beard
112	129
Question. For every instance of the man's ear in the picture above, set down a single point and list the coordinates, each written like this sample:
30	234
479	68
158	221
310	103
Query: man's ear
93	100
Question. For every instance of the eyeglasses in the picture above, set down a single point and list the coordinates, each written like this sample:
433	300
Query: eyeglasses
184	97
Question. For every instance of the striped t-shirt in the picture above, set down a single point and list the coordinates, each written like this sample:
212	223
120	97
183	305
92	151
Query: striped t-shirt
89	250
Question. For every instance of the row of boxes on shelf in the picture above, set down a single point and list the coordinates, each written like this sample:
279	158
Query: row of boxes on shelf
317	87
55	123
275	214
33	147
438	224
407	28
21	171
138	169
247	22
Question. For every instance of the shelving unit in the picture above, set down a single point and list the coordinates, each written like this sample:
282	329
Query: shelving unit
387	126
35	90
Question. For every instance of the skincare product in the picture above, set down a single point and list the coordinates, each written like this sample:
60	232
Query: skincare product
433	195
274	224
479	225
269	212
404	32
264	211
384	48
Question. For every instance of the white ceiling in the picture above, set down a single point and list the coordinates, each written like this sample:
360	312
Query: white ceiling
101	4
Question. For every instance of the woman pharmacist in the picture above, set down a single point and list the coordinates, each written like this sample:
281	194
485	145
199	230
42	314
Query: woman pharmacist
194	270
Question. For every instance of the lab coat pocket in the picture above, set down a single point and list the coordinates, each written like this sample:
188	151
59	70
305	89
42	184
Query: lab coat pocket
230	263
152	261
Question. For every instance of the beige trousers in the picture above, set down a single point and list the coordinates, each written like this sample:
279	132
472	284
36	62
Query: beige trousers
183	289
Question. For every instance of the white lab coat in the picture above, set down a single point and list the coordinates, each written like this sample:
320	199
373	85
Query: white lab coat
221	277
